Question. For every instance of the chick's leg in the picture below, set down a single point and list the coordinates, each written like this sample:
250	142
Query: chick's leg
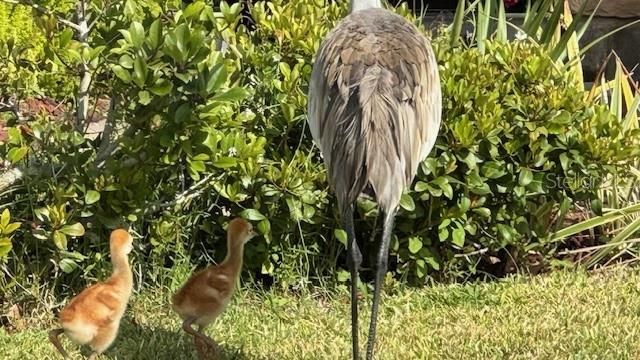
55	340
186	326
205	351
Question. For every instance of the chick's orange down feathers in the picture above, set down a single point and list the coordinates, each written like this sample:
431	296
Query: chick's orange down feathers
93	316
206	294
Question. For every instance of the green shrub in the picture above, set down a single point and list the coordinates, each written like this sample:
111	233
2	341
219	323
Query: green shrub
518	145
199	135
24	49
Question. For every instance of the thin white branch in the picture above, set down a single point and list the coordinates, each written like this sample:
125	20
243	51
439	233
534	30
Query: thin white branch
477	252
193	191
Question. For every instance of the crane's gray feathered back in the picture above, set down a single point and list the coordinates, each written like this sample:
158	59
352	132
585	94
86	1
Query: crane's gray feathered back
374	104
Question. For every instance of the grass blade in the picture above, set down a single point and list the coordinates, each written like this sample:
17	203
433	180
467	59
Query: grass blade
631	119
596	41
551	26
627	92
527	13
560	47
501	34
619	239
616	95
573	50
458	19
595	89
607	218
586	24
539	11
482	31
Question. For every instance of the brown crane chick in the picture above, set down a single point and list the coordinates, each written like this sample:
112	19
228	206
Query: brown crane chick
206	294
93	316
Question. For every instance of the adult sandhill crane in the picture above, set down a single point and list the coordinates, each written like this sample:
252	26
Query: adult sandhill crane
374	112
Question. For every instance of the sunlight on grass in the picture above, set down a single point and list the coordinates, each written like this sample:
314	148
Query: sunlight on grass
563	315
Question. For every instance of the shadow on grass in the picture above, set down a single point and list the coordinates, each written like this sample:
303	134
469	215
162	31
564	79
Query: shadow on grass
146	342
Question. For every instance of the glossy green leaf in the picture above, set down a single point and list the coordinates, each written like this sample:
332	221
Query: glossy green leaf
74	230
201	157
197	166
10	228
91	197
140	71
60	240
68	265
225	162
183	113
144	98
5	217
5	247
505	233
525	177
252	214
137	33
17	153
154	39
457	237
341	235
443	234
126	61
232	95
217	77
482	211
493	170
162	87
193	9
415	244
264	227
121	73
406	202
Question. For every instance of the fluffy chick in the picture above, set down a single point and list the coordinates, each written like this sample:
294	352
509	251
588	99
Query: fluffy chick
93	316
206	294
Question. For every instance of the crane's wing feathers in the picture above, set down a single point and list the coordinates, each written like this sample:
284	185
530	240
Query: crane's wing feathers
374	104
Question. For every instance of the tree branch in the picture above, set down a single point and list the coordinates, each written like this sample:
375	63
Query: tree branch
11	106
109	148
44	11
86	77
193	191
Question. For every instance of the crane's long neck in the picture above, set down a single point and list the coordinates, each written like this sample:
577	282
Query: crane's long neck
363	4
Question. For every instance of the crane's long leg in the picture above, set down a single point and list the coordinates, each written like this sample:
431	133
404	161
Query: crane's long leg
355	259
381	270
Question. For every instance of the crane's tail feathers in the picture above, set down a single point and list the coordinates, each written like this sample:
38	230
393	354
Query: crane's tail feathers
381	122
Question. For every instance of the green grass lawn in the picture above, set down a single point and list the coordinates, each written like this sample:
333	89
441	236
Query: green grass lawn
559	316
